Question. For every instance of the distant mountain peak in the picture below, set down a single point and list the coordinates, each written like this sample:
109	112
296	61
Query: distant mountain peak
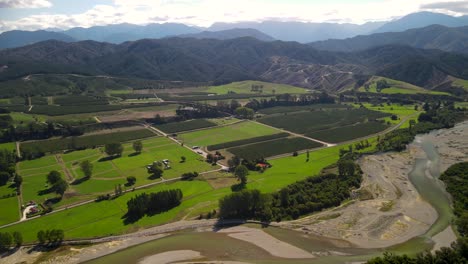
230	34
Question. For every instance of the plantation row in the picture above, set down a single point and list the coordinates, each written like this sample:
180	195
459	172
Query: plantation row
341	134
246	141
272	148
80	100
185	125
289	109
54	110
308	122
83	142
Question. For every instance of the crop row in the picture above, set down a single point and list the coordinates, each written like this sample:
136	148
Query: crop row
80	100
289	109
308	122
346	133
246	141
273	148
53	145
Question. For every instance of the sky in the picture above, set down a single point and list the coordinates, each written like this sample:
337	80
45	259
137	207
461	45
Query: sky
65	14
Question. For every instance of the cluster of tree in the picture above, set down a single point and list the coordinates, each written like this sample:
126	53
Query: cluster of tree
189	176
303	197
256	88
363	144
456	181
381	84
155	169
153	203
436	115
198	111
213	158
51	237
58	184
113	149
39	130
8	240
118	191
131	180
5	121
244	112
7	168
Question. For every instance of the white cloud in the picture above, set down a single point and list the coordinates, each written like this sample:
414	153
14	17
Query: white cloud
24	3
206	12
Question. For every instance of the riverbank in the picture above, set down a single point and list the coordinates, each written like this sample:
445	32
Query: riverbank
390	210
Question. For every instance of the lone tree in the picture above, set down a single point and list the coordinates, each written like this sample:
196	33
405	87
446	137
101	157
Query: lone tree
131	180
60	187
183	159
87	168
5	241
245	112
53	177
41	237
113	149
138	146
241	173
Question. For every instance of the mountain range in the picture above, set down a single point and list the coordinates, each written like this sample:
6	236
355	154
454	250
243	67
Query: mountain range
266	30
431	37
221	61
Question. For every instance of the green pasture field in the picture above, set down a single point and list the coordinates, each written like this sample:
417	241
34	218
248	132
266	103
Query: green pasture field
53	145
397	87
185	125
107	173
11	146
402	111
341	134
461	83
217	135
105	218
244	87
308	122
289	109
273	148
10	210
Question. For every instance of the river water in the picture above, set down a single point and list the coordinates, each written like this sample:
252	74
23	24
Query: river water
424	176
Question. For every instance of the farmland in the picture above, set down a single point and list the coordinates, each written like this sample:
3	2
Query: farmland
309	122
245	87
289	109
53	145
104	218
246	141
107	173
272	148
346	133
185	125
217	135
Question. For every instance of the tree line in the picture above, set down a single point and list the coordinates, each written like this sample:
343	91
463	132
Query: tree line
152	203
303	197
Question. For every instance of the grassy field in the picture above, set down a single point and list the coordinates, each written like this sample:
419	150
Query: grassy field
217	135
53	145
397	87
273	148
11	146
185	125
461	83
245	87
402	111
106	173
10	210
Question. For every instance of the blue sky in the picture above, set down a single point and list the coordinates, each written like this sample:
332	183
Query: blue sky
42	14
